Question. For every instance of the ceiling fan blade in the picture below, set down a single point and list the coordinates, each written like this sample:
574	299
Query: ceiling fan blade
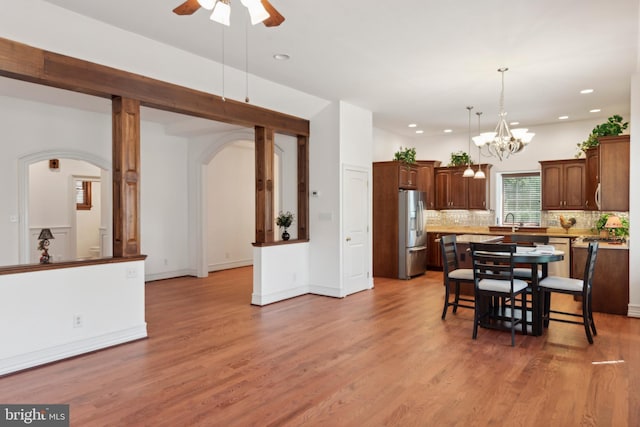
274	18
187	8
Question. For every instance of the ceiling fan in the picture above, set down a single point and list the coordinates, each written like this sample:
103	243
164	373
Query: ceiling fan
273	20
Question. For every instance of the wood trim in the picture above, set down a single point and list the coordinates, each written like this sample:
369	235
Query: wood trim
28	268
303	187
264	184
23	62
126	173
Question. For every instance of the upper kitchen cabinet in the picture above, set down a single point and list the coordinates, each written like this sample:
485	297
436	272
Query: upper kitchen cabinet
613	173
563	184
397	174
426	177
479	189
592	161
451	188
454	191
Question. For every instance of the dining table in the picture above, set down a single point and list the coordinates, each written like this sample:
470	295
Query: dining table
534	257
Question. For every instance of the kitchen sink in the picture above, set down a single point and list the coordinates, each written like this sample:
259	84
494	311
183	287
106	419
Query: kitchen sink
517	229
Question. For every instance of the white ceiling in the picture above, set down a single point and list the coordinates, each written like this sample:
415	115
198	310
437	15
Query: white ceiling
419	61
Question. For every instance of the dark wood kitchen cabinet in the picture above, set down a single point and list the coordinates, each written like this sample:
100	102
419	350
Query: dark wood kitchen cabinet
563	184
454	191
426	177
610	287
434	255
480	189
608	174
614	162
451	188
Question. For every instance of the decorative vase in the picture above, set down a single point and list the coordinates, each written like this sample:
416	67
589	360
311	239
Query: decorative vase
285	235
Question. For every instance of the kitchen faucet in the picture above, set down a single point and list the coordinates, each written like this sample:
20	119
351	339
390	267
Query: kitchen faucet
513	220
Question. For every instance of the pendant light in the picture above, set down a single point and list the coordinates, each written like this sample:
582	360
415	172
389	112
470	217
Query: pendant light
479	173
468	173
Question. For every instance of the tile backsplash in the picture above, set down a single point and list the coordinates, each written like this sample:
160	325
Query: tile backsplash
584	219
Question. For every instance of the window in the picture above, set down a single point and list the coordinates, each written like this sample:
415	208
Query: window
83	195
521	196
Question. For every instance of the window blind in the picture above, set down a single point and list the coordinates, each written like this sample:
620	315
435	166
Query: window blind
521	195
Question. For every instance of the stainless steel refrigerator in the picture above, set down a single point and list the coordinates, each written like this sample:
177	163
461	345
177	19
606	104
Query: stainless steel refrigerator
412	250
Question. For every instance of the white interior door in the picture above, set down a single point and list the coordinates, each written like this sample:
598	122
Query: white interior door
355	216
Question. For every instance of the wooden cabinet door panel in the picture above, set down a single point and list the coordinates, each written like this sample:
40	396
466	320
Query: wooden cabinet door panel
614	173
442	189
610	287
551	187
458	190
592	167
574	177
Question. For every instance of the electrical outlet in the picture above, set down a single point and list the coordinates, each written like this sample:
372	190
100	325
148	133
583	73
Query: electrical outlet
77	321
132	273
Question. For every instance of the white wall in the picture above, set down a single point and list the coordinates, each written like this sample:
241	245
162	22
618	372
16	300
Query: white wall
163	202
634	203
230	202
37	312
31	127
88	225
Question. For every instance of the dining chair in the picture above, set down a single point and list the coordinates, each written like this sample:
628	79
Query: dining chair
453	275
493	272
528	240
575	287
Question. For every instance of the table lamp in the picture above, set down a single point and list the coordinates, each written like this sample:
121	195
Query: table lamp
613	222
44	237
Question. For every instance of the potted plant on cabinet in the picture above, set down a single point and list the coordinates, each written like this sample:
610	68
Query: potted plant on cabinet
284	220
460	158
406	155
612	127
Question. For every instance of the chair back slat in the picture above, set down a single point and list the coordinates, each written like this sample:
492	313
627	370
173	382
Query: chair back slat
449	253
493	261
592	254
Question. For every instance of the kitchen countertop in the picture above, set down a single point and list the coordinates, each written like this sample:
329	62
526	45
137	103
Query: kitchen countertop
478	238
551	231
579	243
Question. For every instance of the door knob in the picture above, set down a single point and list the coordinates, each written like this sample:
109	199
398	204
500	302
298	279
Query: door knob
348	239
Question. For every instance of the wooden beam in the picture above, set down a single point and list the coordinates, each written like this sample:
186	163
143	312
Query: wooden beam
303	187
264	185
27	63
126	174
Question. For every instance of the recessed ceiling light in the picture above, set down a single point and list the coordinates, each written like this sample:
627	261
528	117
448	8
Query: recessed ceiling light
412	125
448	131
595	110
586	91
514	123
419	131
563	117
281	57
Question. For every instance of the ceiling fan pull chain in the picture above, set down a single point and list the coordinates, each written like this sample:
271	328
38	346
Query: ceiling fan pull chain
246	58
222	38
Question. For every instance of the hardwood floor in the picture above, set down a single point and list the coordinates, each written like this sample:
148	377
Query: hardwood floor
379	357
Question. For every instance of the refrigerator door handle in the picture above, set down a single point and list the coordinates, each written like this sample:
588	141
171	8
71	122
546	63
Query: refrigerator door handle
417	248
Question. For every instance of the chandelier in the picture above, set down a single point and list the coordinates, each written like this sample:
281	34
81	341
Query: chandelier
222	11
503	142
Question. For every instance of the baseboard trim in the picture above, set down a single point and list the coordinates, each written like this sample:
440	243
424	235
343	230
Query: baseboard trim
327	292
229	265
633	310
64	351
168	275
278	296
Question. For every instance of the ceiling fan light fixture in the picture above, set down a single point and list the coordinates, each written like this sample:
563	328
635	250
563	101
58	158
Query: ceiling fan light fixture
257	12
207	4
222	13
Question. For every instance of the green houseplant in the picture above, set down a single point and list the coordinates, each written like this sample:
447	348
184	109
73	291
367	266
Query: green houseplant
618	232
460	158
612	127
284	220
405	155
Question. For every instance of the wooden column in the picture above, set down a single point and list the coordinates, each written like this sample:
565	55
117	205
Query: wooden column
264	184
126	176
303	187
